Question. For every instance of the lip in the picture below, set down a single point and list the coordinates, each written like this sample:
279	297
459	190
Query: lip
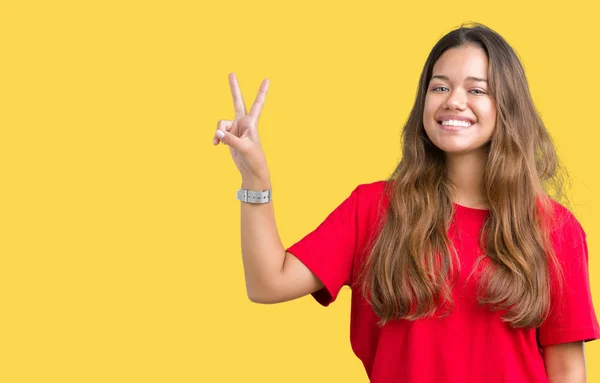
454	128
446	117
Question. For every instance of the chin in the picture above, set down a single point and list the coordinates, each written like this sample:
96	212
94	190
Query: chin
449	148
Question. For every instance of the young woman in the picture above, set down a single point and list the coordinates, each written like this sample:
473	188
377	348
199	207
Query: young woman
462	268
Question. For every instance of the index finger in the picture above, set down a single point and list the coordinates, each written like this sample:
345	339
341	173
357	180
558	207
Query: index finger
238	101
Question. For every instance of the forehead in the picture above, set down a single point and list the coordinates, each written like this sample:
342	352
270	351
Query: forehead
462	62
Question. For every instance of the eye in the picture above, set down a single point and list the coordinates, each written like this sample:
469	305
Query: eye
477	91
438	88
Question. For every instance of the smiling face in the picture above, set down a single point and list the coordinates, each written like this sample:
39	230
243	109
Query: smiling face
459	114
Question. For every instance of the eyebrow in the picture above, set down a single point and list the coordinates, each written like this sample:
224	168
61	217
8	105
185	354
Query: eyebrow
445	78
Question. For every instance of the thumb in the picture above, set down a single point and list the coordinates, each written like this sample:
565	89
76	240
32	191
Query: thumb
228	139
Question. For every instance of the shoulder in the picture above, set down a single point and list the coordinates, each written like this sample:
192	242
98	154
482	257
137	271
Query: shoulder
568	236
372	204
371	196
373	191
564	220
373	188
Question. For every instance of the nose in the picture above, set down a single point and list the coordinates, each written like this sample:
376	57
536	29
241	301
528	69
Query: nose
456	100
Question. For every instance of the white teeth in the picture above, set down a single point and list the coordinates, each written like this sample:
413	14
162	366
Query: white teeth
456	123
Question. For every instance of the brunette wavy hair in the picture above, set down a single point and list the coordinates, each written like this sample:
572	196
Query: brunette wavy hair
412	265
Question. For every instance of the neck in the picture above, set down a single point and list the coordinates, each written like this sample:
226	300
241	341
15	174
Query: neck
466	173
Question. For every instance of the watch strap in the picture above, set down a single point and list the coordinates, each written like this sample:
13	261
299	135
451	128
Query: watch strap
253	196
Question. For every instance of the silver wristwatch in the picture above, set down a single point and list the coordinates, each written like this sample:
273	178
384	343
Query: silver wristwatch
252	196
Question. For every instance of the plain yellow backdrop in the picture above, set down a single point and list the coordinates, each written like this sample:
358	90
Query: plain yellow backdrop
120	251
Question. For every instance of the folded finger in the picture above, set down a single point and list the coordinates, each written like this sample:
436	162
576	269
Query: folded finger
223	125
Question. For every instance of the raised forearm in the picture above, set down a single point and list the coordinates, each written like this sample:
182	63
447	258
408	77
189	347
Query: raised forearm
262	251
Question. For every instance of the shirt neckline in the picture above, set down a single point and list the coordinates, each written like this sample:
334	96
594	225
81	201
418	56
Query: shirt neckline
466	208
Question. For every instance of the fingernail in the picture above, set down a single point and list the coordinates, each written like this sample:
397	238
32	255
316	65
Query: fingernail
220	134
214	141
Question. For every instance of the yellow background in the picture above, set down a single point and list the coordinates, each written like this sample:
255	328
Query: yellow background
120	251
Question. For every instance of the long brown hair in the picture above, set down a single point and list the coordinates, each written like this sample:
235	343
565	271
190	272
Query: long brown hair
410	269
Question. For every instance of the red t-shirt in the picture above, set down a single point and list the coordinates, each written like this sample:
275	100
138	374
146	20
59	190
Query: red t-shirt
472	344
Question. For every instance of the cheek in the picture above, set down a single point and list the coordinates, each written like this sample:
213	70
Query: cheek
493	113
487	110
429	109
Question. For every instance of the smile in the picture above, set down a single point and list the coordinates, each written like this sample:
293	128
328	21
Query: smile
454	125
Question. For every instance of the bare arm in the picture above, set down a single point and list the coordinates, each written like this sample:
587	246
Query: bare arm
272	274
565	362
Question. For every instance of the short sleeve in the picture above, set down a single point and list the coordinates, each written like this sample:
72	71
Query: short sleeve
329	250
572	317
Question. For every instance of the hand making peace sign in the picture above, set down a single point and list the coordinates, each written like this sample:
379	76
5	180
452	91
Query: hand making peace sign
241	134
